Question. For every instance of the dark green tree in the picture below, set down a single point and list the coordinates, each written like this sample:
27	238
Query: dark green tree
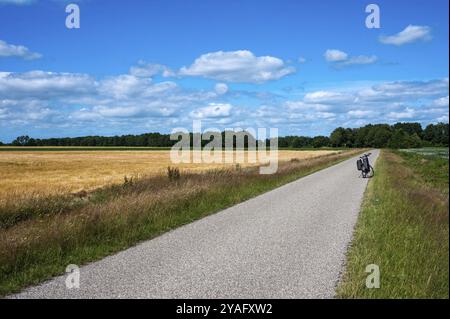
409	128
320	141
21	140
400	139
381	136
436	134
337	137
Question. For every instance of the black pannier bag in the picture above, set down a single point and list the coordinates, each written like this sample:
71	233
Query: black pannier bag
359	165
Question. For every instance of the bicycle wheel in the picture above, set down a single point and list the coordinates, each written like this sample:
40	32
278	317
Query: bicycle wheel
371	172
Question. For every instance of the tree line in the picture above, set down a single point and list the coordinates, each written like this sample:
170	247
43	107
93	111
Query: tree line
399	135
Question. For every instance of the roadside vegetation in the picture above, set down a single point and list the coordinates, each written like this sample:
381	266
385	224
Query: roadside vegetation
403	228
39	238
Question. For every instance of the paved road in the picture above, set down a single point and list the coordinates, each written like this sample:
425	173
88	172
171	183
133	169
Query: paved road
287	243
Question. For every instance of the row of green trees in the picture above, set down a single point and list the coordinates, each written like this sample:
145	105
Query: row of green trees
400	135
149	139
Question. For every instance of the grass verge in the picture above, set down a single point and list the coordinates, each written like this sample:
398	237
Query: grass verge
403	228
37	246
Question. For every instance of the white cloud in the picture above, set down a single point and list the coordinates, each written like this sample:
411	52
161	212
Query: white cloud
405	90
443	118
40	84
212	110
328	97
221	88
360	113
333	55
121	111
441	102
78	98
389	102
304	106
411	33
84	115
325	115
130	86
128	102
11	50
406	114
301	60
123	86
237	66
359	60
144	69
3	113
341	59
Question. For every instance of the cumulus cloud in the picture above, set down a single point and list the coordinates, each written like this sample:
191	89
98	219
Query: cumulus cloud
321	111
40	84
410	34
359	60
11	50
126	86
237	66
405	90
144	69
405	114
360	113
221	88
328	97
120	111
341	59
134	101
441	102
306	106
69	100
333	55
213	110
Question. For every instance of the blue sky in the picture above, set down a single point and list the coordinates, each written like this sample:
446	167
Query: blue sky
304	67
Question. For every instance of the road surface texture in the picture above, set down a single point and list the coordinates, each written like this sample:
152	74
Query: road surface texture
287	243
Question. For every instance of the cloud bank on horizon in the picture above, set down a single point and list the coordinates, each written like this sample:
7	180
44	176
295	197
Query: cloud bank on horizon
305	88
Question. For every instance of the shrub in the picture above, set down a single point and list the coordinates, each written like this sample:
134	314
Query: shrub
173	173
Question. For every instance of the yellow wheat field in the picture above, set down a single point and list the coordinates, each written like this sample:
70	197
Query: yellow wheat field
57	172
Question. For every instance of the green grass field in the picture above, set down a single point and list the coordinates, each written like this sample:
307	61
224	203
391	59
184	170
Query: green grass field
404	229
431	164
428	151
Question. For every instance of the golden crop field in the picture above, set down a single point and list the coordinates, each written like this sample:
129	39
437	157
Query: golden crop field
58	172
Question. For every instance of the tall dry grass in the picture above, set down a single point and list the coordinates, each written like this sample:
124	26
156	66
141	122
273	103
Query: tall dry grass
44	173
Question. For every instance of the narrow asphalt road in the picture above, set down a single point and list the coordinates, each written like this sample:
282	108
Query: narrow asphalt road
287	243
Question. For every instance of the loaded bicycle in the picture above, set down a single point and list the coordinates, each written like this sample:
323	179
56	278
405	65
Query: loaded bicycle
364	166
